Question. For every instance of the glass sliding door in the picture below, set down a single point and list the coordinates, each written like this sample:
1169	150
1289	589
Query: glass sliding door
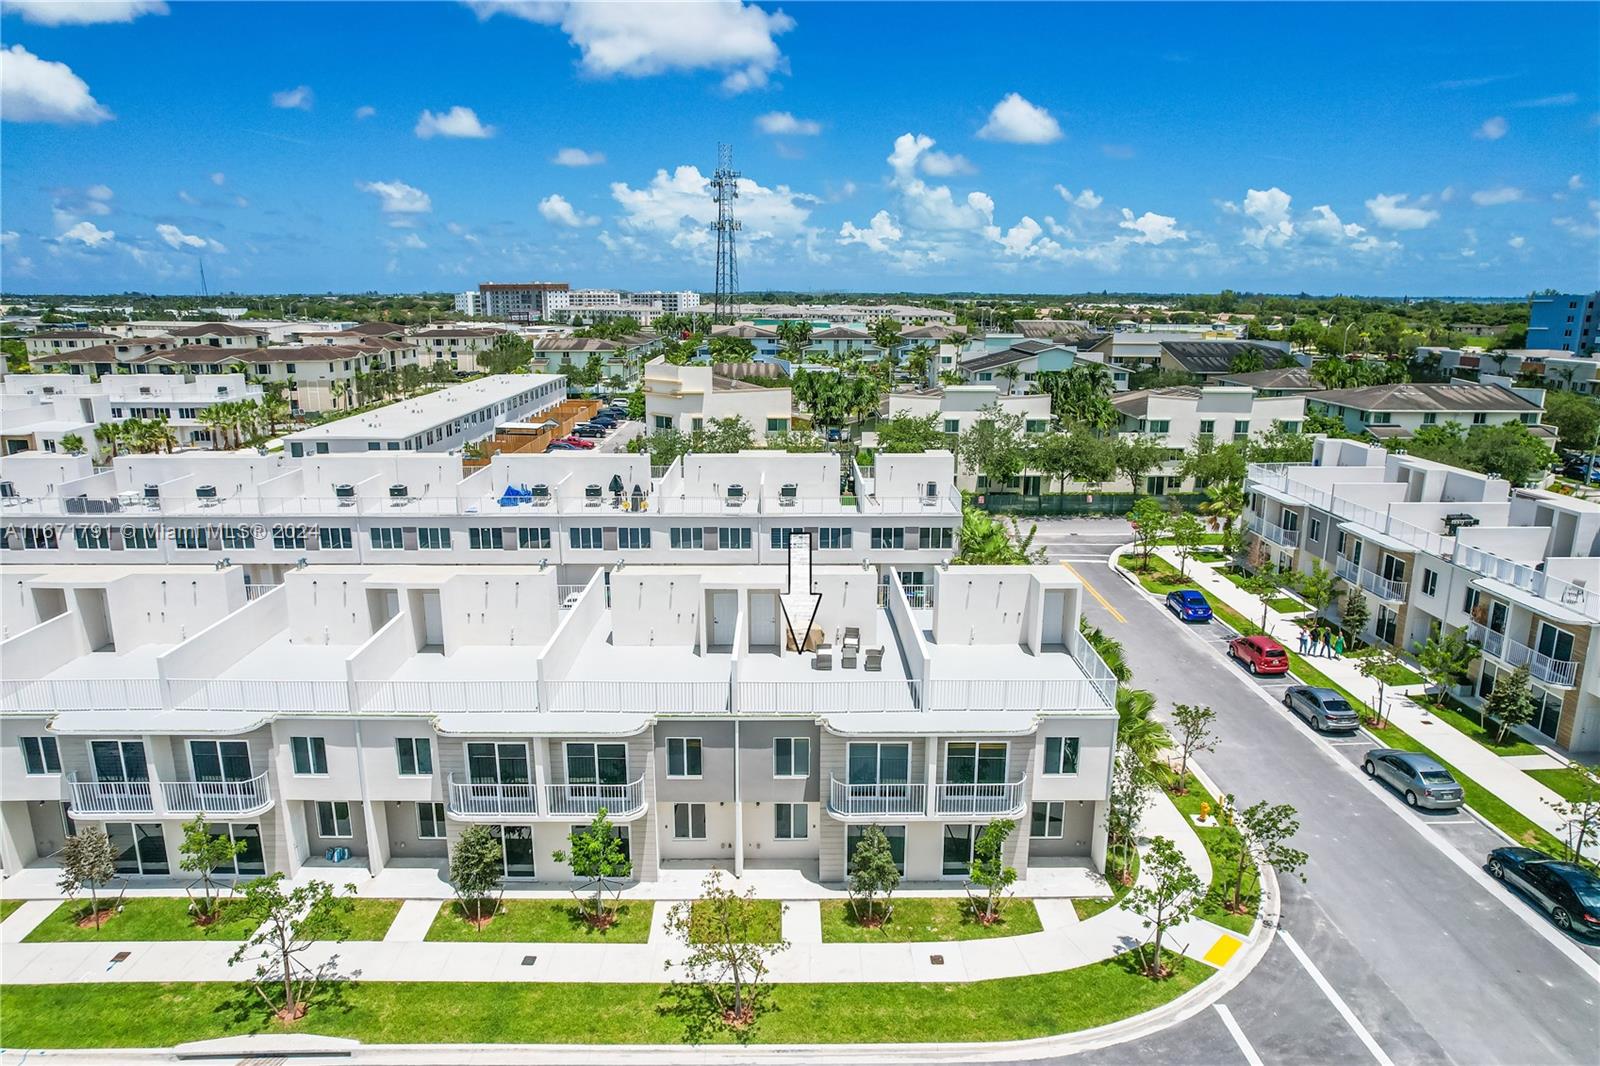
122	776
123	850
138	848
957	851
896	835
517	842
974	777
597	776
500	779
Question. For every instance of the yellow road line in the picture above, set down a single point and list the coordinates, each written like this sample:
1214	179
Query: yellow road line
1101	600
1223	950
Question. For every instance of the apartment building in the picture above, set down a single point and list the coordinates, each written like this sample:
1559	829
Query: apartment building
439	421
904	314
468	304
226	335
1557	369
459	346
1566	322
670	303
691	397
1289	381
56	341
40	409
115	355
1180	415
523	302
958	407
1206	356
1428	544
618	358
1398	411
992	359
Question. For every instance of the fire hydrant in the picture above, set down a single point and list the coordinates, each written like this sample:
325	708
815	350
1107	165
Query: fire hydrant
1205	811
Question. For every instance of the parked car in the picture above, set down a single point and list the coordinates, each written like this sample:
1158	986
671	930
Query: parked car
578	442
1569	893
1420	778
1260	655
560	446
604	418
1324	708
587	430
1189	605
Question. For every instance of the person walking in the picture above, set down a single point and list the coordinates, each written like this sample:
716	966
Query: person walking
1304	640
1327	644
1338	645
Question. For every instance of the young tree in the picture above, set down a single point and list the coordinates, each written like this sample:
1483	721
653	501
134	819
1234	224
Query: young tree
1256	836
1446	659
1052	455
1186	534
87	862
873	873
908	433
1355	614
1131	781
1193	723
1137	456
1378	667
287	924
597	855
1093	460
1580	811
1510	702
1149	520
994	447
1317	587
201	852
726	952
477	866
988	869
1263	583
1167	895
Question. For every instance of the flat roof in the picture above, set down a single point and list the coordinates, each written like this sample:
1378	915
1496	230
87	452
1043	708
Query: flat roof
407	418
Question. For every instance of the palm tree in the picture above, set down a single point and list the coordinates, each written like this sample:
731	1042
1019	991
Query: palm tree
339	390
1012	374
1137	726
212	419
111	436
1224	500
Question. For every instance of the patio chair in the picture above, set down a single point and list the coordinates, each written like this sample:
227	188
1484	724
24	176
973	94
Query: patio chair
823	660
852	638
874	663
847	658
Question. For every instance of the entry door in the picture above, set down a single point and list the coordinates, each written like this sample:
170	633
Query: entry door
1055	609
763	619
432	619
517	840
724	606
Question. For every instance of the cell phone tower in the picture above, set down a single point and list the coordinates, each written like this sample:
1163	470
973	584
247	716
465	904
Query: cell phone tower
725	190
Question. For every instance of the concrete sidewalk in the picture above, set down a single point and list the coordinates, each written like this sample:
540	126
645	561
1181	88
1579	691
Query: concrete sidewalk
1500	776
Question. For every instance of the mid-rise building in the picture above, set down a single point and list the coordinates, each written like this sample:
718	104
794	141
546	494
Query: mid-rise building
1429	545
671	303
468	304
1566	322
523	302
458	346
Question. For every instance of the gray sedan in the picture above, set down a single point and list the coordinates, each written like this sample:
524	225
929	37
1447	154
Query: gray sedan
1422	780
1324	708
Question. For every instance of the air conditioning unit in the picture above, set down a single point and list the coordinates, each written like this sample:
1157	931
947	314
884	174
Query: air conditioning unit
344	492
152	492
399	492
8	490
1453	522
205	492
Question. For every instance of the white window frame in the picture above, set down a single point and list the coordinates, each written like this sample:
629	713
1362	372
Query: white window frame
1057	771
45	758
804	821
689	809
313	745
436	811
415	771
333	811
791	775
683	744
1061	823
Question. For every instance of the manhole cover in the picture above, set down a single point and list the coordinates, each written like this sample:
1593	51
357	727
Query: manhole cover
120	956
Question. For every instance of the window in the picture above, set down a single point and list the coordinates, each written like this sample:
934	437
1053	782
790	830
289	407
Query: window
1470	604
683	757
481	538
588	537
40	755
790	821
1047	819
952	425
688	821
878	764
1430	418
91	538
1241	429
433	538
888	537
1338	542
733	538
334	538
1036	425
1378	418
533	538
237	537
138	538
833	538
791	757
190	538
780	537
333	819
1208	426
663	421
413	756
633	538
430	821
896	835
220	760
967	762
1315	530
1480	418
1430	582
777	425
937	537
1061	755
388	538
1160	425
597	764
688	537
289	538
310	755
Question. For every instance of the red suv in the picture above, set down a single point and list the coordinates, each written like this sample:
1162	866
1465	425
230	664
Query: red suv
1260	655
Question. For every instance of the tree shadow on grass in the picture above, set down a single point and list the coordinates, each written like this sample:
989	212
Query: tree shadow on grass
247	1013
695	1008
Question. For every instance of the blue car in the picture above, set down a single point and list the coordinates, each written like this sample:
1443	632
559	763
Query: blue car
1189	605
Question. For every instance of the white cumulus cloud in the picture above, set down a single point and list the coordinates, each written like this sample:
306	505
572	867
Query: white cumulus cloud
1493	129
880	233
1392	212
398	198
1269	209
944	164
577	157
40	90
784	124
457	122
1517	241
1085	199
87	234
639	40
73	13
1505	194
176	238
1017	121
1152	228
556	209
299	98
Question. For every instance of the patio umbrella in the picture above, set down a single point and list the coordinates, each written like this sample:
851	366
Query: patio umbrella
616	484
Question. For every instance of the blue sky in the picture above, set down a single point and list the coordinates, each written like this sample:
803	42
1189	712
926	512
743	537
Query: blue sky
1378	149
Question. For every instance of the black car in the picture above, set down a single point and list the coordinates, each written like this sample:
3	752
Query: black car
603	419
1569	893
589	430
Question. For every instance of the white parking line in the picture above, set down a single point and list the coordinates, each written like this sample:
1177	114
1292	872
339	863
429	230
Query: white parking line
1237	1033
1459	821
1337	1000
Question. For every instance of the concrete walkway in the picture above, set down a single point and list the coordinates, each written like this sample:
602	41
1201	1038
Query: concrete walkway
1500	776
403	955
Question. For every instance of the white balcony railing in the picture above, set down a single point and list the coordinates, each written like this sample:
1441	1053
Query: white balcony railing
442	697
618	801
995	798
865	801
475	800
1373	582
244	694
257	589
1560	672
111	797
142	694
217	797
643	697
819	697
1027	694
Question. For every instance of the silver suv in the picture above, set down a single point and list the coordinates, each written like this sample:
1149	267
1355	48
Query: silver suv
1422	780
1324	708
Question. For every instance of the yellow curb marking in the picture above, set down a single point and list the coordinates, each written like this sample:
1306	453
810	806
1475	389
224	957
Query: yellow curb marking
1101	600
1223	950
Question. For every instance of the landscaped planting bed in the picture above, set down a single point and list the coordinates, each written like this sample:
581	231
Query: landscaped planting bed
544	920
923	919
141	918
767	927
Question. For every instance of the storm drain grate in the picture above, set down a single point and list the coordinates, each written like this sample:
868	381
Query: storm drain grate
937	960
529	960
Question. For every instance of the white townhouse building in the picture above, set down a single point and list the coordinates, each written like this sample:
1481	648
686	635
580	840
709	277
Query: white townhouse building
436	421
1429	544
690	397
1559	369
40	409
1396	412
384	706
57	341
1182	414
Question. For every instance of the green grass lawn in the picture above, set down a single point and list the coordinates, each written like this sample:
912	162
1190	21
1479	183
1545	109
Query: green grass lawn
372	918
1209	557
1397	674
1088	908
157	1015
1468	721
1159	577
142	918
544	921
767	926
1286	604
1566	782
9	905
917	919
1221	888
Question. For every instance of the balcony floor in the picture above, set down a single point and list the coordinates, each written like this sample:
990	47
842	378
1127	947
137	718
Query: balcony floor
601	659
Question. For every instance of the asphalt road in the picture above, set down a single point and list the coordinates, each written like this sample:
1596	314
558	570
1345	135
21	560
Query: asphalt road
1433	961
